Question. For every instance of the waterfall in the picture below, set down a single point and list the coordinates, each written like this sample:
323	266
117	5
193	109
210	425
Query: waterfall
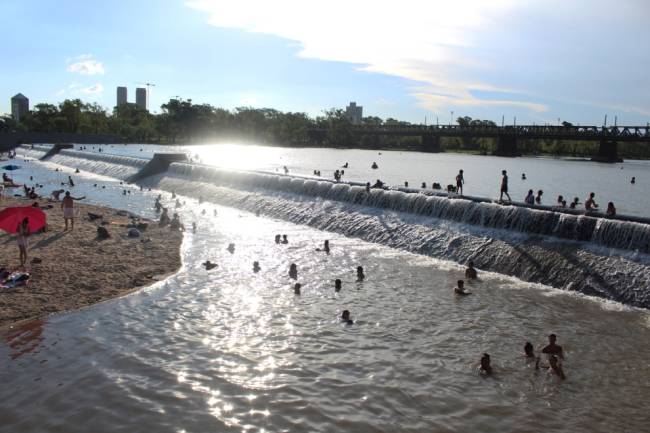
120	167
606	232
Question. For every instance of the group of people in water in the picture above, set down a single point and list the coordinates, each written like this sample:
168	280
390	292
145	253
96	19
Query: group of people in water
553	350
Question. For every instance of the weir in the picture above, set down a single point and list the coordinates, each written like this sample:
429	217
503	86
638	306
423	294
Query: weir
54	150
613	233
158	164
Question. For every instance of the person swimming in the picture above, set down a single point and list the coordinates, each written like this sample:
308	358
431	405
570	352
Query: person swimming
367	186
460	289
611	210
470	272
553	366
256	267
374	166
485	366
574	203
345	317
209	265
523	176
296	288
277	238
424	185
360	274
293	271
231	248
284	239
406	184
337	285
633	181
529	351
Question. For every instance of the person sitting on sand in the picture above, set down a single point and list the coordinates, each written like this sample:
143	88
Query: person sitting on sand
590	204
56	193
284	239
611	210
231	248
209	265
470	272
554	366
360	274
22	231
345	317
337	285
293	271
256	267
32	194
164	218
485	366
296	288
460	289
67	204
6	179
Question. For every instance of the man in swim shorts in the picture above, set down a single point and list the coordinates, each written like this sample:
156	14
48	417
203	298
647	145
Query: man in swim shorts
67	204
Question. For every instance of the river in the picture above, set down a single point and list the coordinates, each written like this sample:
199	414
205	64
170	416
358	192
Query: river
234	350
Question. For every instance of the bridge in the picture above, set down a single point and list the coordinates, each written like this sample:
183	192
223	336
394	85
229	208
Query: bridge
507	136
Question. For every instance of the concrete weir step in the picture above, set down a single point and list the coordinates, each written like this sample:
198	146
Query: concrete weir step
158	164
56	149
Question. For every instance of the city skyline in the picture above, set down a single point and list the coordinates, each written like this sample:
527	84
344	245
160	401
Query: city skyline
503	60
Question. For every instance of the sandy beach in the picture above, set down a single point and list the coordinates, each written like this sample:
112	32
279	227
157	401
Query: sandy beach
76	269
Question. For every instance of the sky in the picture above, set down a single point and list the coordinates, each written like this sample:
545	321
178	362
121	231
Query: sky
428	60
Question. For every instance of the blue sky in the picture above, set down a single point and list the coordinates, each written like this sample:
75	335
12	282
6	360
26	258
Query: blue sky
537	60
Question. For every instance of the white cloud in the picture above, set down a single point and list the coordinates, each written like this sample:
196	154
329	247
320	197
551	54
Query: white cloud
465	53
96	88
85	65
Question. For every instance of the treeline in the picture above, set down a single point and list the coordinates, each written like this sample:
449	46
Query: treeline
182	121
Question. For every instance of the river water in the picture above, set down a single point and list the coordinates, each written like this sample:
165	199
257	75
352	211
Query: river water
232	350
555	176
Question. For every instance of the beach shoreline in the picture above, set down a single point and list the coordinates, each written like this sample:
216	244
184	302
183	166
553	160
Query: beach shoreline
76	268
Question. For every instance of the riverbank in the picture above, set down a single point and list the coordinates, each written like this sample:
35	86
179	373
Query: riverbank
73	269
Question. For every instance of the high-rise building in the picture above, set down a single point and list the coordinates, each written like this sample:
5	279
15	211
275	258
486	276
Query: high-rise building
121	96
354	113
19	106
141	97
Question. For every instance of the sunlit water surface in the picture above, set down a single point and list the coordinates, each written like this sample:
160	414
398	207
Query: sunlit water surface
231	350
567	177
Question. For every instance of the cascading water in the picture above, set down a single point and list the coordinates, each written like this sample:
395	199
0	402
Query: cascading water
36	151
120	167
609	233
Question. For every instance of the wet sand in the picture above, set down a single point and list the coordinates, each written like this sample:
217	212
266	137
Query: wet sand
77	269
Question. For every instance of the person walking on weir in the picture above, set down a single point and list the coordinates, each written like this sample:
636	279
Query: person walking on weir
504	186
460	180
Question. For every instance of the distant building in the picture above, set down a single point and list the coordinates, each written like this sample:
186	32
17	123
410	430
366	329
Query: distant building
19	106
141	97
354	113
121	96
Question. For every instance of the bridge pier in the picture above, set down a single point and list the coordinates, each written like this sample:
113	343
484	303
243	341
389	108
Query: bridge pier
506	146
607	152
430	143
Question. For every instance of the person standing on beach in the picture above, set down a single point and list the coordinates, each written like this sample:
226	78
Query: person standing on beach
460	181
21	239
504	186
67	204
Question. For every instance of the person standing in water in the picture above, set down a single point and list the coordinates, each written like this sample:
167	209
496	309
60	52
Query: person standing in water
553	349
460	289
504	186
360	274
293	271
485	366
337	285
460	181
590	204
470	272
